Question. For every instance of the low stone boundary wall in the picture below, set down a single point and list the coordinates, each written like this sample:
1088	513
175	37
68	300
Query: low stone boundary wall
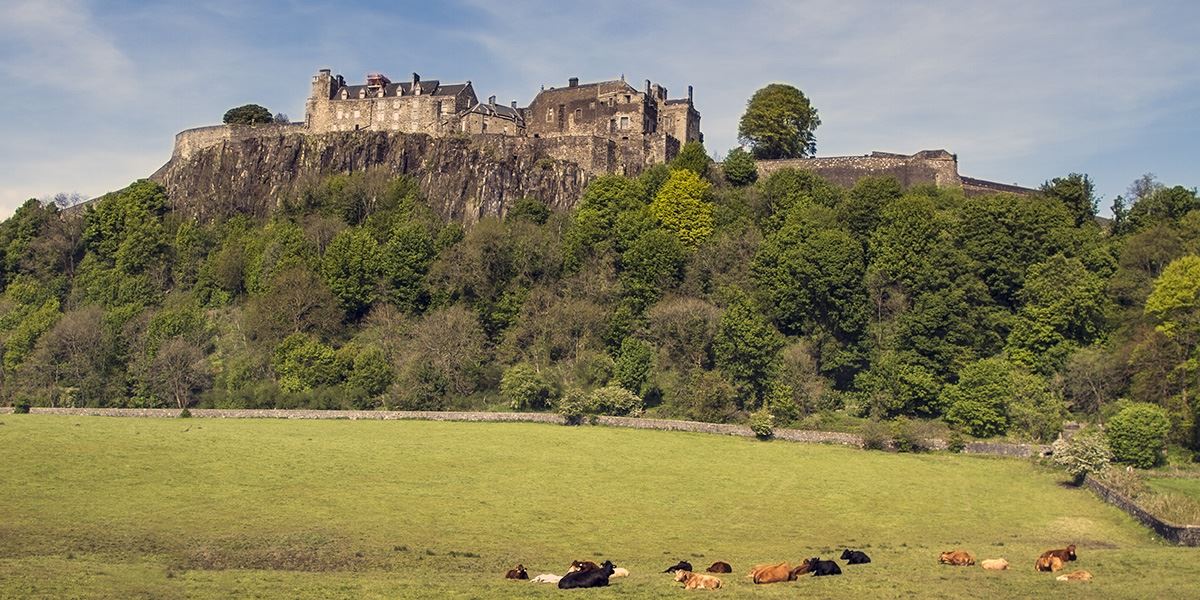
1183	535
791	435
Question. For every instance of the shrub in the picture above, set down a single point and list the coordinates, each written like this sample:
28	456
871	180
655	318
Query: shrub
874	435
573	405
956	443
185	414
708	396
740	168
21	407
615	400
1085	453
1138	434
762	423
525	388
907	436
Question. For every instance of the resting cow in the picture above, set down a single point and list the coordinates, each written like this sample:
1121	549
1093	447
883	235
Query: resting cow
994	564
682	565
958	558
620	572
582	565
720	567
820	568
697	581
855	557
1075	576
1049	563
546	578
771	573
587	579
517	573
1064	554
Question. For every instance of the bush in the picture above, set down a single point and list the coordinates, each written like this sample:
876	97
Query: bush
615	400
1138	434
740	168
874	436
955	443
762	423
21	407
573	405
907	436
185	414
523	387
1085	453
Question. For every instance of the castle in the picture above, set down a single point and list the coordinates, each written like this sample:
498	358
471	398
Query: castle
641	125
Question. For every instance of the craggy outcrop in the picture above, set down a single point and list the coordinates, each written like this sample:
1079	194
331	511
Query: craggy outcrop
221	171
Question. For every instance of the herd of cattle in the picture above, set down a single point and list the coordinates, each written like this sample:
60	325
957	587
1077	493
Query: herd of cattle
587	574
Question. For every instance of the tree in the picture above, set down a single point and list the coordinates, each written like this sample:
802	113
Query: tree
281	119
1063	307
371	372
680	207
525	388
1138	434
747	348
248	114
1084	454
529	209
692	157
180	370
979	401
634	364
778	123
351	267
296	301
651	266
740	168
1077	193
302	363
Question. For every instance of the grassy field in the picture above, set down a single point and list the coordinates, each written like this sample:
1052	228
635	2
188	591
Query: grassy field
129	508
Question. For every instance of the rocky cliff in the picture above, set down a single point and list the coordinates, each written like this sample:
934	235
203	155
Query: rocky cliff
220	171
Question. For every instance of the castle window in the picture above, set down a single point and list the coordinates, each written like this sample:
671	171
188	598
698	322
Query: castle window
624	123
549	115
379	94
345	94
628	99
362	93
357	114
578	115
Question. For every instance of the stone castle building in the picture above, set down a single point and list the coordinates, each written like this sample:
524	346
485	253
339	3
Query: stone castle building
641	125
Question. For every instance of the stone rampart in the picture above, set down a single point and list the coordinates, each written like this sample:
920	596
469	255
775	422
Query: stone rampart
1183	535
190	141
845	171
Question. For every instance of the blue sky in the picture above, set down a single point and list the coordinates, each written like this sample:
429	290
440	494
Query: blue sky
1022	91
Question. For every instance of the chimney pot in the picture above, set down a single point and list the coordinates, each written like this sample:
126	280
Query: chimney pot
416	78
573	82
689	94
514	104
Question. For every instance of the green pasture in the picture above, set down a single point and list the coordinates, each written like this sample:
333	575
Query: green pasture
194	508
1176	485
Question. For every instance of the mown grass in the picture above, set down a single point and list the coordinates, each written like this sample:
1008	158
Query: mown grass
128	508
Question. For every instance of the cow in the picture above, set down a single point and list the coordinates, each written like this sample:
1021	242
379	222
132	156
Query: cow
771	573
620	572
994	564
682	565
546	578
582	565
587	579
1075	576
804	567
958	558
1063	554
696	581
720	567
855	557
517	573
820	568
1048	563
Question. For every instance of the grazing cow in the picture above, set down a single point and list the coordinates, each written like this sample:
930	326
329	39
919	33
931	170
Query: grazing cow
1063	554
696	581
855	557
682	565
582	565
720	567
1075	576
517	573
1048	564
546	578
620	572
820	568
587	579
995	564
958	558
771	573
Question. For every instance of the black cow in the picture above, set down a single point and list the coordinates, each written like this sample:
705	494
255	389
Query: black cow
719	567
517	573
587	579
682	565
823	567
855	557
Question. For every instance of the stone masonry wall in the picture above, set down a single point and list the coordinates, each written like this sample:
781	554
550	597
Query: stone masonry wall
1183	535
845	171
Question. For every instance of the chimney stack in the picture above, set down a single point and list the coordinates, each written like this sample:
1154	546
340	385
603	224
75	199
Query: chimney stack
689	94
492	100
514	104
647	87
573	82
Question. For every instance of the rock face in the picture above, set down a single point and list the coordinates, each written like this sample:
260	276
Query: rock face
218	172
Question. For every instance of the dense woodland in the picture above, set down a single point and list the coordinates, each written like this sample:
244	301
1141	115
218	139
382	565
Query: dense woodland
691	291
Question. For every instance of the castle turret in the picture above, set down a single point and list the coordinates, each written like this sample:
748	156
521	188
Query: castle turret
323	87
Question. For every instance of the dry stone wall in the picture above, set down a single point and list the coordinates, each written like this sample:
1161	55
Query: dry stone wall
1183	535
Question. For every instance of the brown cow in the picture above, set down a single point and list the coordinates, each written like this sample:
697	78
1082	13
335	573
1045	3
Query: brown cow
1076	576
1064	554
958	558
720	567
771	573
583	565
696	581
517	573
1048	563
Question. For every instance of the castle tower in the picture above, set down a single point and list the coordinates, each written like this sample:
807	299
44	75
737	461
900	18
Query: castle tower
316	108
